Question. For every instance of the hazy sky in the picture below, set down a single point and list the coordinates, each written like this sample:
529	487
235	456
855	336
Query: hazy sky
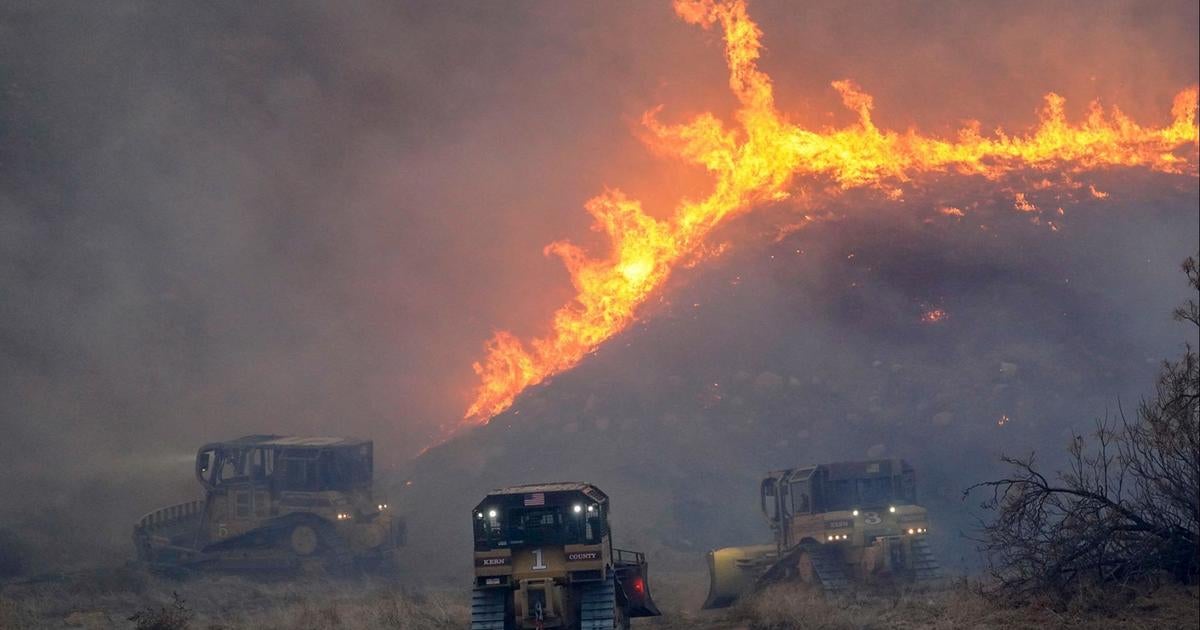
225	218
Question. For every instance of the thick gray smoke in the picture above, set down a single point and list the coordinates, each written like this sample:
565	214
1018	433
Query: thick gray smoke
226	218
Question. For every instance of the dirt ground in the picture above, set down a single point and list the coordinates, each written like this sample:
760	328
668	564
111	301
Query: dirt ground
103	600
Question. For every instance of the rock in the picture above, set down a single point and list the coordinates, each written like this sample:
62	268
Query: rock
767	380
91	620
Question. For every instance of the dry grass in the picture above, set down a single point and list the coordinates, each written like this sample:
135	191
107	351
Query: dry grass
106	601
796	606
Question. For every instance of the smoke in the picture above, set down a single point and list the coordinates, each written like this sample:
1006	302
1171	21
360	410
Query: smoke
813	349
235	218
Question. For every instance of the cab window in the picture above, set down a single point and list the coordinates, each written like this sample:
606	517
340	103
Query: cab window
801	498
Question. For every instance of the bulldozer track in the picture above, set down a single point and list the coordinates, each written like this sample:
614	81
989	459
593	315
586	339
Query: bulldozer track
598	608
827	570
488	609
925	565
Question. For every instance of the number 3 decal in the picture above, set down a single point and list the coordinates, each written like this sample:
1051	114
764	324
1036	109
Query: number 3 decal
871	518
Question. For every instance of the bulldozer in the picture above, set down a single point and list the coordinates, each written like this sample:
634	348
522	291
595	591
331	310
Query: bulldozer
275	503
834	525
544	559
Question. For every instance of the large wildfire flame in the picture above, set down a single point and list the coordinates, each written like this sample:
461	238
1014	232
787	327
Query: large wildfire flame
758	161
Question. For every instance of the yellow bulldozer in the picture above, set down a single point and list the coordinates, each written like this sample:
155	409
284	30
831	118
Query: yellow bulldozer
544	559
275	502
834	524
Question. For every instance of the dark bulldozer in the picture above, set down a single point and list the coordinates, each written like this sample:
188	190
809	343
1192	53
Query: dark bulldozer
274	503
834	525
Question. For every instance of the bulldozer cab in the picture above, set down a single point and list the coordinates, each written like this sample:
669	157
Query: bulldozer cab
867	487
286	464
259	477
540	519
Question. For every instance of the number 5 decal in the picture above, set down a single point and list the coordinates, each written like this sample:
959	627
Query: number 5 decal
539	563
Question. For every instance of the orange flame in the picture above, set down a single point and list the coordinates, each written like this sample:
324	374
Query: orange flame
933	316
758	161
1023	204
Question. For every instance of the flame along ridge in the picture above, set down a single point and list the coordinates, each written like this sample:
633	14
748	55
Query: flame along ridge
757	162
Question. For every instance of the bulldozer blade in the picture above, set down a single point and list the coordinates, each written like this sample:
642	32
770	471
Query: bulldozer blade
734	571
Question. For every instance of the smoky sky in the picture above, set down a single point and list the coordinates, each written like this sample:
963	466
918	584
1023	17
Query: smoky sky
228	218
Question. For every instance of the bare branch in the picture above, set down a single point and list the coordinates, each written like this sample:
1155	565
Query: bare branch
1127	506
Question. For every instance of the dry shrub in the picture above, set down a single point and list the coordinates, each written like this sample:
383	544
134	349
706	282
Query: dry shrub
1125	513
175	616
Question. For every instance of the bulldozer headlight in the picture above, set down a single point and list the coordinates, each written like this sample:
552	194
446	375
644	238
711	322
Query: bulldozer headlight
343	516
491	513
591	508
382	507
577	508
855	513
892	509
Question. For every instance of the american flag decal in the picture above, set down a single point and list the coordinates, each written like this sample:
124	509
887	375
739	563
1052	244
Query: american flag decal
537	498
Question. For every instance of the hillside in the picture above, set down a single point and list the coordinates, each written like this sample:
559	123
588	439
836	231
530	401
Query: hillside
889	333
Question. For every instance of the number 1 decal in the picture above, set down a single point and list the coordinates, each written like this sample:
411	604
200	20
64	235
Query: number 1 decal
539	563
